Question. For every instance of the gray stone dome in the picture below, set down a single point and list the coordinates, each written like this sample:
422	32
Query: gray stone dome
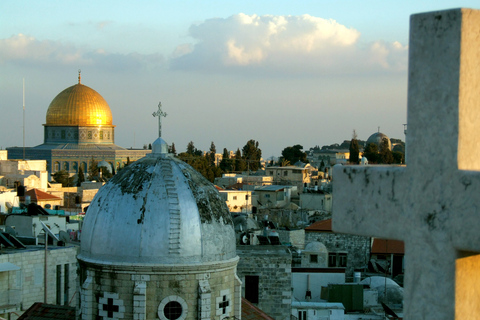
157	211
377	138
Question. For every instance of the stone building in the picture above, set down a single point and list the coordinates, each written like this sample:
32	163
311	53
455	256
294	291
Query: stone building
158	243
78	128
265	271
347	251
22	277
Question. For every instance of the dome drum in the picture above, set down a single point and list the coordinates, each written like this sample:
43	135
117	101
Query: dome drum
76	134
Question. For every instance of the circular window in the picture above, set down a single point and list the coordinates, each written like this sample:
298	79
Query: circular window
172	308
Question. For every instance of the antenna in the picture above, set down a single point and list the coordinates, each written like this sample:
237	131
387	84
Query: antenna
24	119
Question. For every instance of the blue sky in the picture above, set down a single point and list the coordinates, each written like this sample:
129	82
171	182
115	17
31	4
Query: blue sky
280	72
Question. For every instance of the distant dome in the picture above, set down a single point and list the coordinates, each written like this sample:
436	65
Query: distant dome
377	138
157	211
79	105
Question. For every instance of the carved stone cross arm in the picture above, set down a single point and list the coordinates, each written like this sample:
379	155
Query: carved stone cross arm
432	204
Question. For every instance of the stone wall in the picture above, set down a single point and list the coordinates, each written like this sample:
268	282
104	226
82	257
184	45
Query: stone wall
356	247
294	237
26	286
272	265
205	291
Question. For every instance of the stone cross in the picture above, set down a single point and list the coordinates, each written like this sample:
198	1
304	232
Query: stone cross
159	113
432	204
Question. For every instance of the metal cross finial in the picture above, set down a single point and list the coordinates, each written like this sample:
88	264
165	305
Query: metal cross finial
159	113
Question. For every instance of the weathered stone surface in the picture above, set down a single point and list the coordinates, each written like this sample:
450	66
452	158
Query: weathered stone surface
431	204
272	264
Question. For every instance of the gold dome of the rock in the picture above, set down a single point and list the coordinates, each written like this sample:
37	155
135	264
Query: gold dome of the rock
79	105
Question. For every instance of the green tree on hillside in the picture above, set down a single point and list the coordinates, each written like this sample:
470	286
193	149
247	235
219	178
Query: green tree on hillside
294	154
252	155
80	177
371	152
385	154
64	178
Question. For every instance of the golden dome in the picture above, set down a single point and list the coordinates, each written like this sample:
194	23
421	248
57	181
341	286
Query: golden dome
79	105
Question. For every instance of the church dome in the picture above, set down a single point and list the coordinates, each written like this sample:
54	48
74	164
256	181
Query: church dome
157	211
79	105
377	138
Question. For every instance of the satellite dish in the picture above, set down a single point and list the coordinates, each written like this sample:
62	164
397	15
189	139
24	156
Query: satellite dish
65	237
48	231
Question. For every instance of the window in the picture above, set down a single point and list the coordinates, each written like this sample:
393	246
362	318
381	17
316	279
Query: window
59	284
302	315
101	135
332	259
234	197
66	271
313	258
337	259
271	173
267	195
342	260
172	308
285	173
251	288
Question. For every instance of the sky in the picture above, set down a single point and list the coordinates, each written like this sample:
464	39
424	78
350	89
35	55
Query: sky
276	71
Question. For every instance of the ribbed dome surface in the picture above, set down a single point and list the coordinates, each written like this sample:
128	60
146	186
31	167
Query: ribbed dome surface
157	211
79	105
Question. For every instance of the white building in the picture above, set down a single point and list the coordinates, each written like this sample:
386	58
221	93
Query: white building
22	274
237	200
30	173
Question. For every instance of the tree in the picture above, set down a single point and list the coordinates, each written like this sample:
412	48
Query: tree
64	178
226	165
284	163
105	173
93	169
239	162
252	155
80	177
149	146
371	152
190	148
171	149
213	151
398	157
354	149
385	154
294	154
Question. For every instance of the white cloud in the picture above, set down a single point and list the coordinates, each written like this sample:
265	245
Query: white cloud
284	44
25	50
